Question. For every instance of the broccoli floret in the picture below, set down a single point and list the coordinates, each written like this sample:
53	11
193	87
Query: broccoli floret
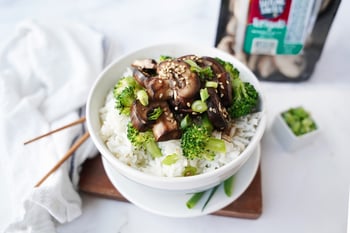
124	82
124	100
125	92
245	96
234	73
143	141
155	114
164	58
245	99
196	142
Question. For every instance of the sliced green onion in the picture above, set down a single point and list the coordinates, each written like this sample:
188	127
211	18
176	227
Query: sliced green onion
199	106
299	121
210	196
206	123
155	114
210	156
185	122
192	202
194	65
153	149
164	58
228	186
204	94
203	72
142	96
170	159
211	84
190	171
216	145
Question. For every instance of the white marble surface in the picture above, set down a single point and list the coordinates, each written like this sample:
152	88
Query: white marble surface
305	191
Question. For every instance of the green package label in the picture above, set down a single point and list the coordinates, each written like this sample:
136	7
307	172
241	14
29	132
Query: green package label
277	26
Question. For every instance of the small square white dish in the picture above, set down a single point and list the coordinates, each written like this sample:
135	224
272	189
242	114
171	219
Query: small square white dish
287	138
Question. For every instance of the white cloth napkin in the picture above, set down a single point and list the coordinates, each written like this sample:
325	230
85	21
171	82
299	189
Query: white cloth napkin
46	71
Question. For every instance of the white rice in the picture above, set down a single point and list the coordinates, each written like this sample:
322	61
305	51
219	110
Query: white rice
114	133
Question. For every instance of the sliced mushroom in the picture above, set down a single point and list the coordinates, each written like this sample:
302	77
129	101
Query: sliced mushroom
231	6
241	56
159	88
309	41
266	66
166	126
324	5
290	65
226	44
185	82
223	78
188	57
188	85
231	27
182	105
217	114
149	65
140	76
253	61
138	116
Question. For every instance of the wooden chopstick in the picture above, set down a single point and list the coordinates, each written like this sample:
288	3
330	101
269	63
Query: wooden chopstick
81	120
76	145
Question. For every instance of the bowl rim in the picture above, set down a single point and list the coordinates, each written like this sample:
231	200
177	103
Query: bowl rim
199	177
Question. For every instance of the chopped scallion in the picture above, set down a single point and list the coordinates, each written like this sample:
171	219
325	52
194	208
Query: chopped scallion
192	202
199	106
211	84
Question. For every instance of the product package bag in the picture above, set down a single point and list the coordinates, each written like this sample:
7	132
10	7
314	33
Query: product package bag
279	40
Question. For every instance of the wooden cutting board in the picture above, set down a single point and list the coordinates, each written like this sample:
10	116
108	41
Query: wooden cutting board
93	180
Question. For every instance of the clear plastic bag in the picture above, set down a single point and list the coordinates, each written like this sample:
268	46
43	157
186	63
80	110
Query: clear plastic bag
279	40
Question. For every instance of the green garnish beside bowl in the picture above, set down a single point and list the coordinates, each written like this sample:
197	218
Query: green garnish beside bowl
299	121
295	128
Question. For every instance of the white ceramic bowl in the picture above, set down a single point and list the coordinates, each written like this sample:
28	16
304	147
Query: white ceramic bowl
108	79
